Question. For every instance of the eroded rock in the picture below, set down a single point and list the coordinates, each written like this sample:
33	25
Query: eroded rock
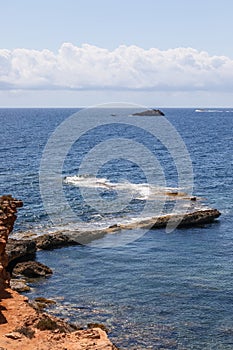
8	209
19	285
20	250
52	241
32	269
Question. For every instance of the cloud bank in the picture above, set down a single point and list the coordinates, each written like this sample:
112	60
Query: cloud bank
127	67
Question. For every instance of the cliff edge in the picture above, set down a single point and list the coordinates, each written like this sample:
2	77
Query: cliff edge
22	326
8	209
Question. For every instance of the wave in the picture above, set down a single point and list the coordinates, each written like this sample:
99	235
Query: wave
99	224
142	191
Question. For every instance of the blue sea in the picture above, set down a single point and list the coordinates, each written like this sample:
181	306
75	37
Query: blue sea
159	289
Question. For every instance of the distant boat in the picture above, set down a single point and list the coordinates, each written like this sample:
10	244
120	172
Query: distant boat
199	110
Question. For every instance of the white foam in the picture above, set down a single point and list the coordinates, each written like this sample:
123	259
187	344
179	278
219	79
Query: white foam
213	111
142	191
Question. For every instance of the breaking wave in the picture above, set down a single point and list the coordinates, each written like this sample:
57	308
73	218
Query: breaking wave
142	191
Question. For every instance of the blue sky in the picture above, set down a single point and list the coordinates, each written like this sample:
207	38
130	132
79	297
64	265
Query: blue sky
63	26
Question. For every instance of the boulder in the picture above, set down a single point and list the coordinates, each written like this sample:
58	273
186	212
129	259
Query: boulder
19	285
32	269
20	250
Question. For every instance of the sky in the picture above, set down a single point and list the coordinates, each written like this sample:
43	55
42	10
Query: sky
160	53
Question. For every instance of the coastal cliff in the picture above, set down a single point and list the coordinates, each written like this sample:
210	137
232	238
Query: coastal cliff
8	209
23	326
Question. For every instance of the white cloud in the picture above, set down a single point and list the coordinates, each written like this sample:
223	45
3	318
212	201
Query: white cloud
127	67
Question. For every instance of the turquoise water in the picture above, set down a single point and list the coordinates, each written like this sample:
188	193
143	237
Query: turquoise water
161	291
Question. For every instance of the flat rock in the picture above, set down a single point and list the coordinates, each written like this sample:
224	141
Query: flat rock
32	269
52	241
196	218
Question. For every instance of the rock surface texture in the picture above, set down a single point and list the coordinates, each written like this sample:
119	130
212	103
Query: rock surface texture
52	241
32	269
8	209
24	328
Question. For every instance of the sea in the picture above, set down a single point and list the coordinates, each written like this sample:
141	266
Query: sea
87	170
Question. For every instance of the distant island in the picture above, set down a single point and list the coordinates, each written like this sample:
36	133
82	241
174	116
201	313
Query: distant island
150	112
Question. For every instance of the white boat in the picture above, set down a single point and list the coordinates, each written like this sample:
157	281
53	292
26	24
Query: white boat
199	110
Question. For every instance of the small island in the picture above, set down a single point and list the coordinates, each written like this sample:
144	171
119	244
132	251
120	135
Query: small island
150	112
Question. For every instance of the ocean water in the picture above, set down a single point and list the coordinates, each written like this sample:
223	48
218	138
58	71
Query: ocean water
159	290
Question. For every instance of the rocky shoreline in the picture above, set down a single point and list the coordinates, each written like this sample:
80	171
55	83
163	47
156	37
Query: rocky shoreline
18	264
24	325
21	253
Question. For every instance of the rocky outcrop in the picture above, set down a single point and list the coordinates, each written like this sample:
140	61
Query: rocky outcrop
198	217
52	241
23	327
32	269
195	218
19	285
19	250
8	209
150	112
